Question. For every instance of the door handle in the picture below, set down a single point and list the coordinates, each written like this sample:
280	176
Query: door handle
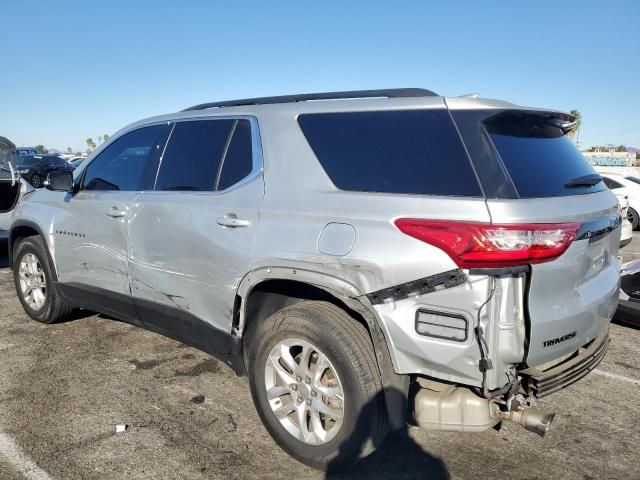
116	212
232	221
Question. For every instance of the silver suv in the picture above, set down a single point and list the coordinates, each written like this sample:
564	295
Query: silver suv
369	259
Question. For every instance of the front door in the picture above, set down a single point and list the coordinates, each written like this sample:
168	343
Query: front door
90	236
191	238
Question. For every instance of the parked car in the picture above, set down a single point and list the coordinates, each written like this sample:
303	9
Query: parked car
76	161
35	168
622	194
26	151
370	259
12	188
631	184
628	311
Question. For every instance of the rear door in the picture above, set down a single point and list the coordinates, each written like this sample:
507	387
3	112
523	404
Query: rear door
191	238
545	179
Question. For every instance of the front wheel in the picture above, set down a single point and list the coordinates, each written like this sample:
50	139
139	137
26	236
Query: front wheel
315	383
35	286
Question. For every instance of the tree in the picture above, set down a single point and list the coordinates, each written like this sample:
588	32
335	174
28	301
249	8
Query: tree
69	150
41	149
99	139
575	131
91	144
105	137
621	148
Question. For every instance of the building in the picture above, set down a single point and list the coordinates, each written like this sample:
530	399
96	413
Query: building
612	159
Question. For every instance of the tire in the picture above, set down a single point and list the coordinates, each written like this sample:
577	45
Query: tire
36	181
50	307
633	218
352	368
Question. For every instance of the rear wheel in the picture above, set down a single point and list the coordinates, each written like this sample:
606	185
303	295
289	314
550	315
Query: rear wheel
315	382
633	218
33	278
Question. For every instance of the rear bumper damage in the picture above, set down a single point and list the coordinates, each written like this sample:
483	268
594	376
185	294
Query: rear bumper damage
439	406
542	382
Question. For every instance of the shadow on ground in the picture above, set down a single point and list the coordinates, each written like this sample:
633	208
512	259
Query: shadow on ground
399	456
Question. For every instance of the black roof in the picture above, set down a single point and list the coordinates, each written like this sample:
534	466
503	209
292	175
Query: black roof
303	97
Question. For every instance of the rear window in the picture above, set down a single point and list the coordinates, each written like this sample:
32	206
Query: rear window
539	157
410	151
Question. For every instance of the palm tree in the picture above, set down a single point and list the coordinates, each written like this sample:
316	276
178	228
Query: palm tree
575	131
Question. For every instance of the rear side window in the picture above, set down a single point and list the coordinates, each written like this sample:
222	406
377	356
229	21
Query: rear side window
410	151
128	162
539	157
192	157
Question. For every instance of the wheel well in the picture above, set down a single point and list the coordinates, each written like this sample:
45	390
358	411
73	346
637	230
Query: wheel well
270	296
17	234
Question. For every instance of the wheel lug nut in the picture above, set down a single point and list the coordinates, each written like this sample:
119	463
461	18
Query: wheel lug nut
313	393
300	398
307	380
298	379
293	387
309	401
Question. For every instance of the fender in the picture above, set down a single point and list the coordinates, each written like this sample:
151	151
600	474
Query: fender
30	224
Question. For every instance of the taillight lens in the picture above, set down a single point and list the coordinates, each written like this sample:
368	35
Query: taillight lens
486	245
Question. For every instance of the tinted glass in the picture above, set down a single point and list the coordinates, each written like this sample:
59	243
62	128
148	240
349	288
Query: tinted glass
238	162
193	155
539	157
127	163
633	179
416	151
611	183
27	161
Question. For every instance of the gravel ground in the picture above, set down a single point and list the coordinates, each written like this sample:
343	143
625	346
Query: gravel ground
64	388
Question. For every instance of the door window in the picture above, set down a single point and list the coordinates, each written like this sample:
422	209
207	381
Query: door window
206	155
129	163
238	162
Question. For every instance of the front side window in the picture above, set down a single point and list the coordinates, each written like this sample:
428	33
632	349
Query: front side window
129	163
206	155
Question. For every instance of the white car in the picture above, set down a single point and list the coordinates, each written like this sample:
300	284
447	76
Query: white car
616	182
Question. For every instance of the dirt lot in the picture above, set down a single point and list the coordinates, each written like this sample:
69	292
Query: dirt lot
64	388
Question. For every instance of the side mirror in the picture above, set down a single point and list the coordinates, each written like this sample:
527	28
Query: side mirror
61	181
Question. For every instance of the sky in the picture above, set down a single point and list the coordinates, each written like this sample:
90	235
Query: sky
76	69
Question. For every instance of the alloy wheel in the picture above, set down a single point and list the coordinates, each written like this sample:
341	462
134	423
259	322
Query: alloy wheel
33	286
304	391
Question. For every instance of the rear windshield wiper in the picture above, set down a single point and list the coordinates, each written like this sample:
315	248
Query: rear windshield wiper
584	181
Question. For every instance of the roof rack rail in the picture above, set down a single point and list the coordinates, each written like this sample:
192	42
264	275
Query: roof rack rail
385	93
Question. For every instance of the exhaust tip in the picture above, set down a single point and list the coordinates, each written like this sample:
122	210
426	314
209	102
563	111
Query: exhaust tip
533	419
537	421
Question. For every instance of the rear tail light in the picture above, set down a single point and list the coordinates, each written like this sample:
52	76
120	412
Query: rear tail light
486	245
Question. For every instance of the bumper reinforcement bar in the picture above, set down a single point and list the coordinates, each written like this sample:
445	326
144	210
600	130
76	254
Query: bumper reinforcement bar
545	382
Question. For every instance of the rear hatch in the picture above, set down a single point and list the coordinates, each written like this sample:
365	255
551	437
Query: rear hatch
532	174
